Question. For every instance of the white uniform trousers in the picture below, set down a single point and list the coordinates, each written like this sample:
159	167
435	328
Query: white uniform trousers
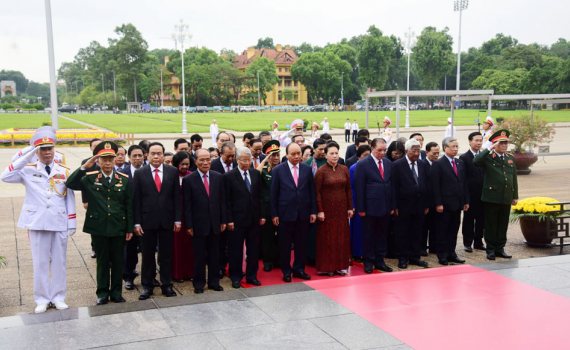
46	244
214	135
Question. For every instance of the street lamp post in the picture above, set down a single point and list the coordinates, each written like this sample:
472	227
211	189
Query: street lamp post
258	94
114	91
161	90
459	5
179	38
410	43
342	91
103	89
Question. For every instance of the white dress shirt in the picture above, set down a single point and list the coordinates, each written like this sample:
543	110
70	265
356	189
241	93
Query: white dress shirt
415	166
376	160
160	172
226	166
354	127
347	126
202	176
243	176
133	169
292	172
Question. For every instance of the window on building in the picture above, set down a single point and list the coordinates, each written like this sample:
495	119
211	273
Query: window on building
279	70
288	82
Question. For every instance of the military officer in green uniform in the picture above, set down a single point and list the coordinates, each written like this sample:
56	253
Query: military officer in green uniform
500	191
269	238
109	217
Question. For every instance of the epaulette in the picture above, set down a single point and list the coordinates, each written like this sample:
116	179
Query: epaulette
30	164
92	172
65	166
58	151
509	154
125	175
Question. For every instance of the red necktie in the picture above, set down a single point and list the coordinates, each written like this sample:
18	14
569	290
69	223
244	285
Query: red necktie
255	162
454	167
228	167
381	169
157	180
206	184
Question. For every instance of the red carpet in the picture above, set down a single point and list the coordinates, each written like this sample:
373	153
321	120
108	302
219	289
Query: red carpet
275	276
455	307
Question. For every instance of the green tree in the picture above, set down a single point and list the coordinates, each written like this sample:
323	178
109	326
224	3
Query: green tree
544	79
433	56
520	56
503	82
16	76
39	90
264	43
561	48
374	58
267	75
495	46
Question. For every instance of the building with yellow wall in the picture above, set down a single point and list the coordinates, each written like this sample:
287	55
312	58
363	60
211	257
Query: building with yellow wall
284	59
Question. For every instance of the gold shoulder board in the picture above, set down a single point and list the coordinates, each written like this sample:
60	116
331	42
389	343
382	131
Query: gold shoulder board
92	172
125	175
65	166
31	164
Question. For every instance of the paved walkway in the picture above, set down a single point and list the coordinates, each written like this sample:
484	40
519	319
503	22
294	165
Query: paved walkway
518	305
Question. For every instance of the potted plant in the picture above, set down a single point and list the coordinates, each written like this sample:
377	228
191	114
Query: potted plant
526	132
305	125
530	213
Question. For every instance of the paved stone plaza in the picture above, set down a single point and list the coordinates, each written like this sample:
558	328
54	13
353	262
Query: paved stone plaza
288	316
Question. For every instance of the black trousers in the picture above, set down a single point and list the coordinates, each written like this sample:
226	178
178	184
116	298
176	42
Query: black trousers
346	135
223	250
354	134
496	226
130	258
109	250
293	232
236	239
270	243
206	250
473	223
165	239
429	231
447	227
408	233
374	236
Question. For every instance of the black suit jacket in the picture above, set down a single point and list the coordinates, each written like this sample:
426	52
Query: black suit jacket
154	210
219	167
474	176
289	202
423	155
411	198
350	151
84	193
449	190
243	207
351	161
204	213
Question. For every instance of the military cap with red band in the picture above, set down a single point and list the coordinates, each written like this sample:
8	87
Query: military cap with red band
43	138
500	135
106	148
271	147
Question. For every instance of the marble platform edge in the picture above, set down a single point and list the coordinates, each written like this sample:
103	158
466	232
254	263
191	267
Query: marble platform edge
521	263
150	304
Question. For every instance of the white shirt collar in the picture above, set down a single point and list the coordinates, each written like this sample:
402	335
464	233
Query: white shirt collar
448	158
291	165
474	153
152	168
202	174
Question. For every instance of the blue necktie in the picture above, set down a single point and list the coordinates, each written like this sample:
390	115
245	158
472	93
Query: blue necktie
247	184
414	172
48	169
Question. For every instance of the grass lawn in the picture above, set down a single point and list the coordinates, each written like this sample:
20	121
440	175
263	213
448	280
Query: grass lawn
139	123
172	123
24	120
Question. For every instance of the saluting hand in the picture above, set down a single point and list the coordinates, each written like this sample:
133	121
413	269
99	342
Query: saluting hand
91	162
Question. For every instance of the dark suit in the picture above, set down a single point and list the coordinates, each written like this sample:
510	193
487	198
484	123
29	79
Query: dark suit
221	168
351	161
293	205
157	212
374	195
205	214
474	218
130	254
412	199
350	151
429	220
244	211
451	191
423	155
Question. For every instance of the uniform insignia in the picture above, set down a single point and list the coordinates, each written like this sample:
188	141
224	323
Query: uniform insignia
125	175
494	155
38	175
504	133
63	166
98	183
31	164
510	161
92	172
45	139
116	176
119	185
107	146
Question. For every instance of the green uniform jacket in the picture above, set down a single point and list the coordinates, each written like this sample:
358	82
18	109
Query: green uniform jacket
110	209
266	179
500	177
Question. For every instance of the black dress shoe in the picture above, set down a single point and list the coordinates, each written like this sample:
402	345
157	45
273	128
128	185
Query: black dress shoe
368	269
424	253
302	275
267	268
102	301
254	282
198	290
93	254
418	262
135	273
491	256
168	292
287	278
129	285
443	262
119	299
468	249
503	255
217	288
145	294
402	264
456	260
384	267
155	283
479	247
236	285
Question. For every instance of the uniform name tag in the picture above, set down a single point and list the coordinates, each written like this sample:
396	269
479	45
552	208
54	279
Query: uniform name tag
98	184
38	175
118	185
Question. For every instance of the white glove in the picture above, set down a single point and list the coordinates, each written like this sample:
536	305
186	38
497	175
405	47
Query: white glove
70	232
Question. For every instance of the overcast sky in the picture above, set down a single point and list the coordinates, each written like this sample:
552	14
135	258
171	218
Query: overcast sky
238	24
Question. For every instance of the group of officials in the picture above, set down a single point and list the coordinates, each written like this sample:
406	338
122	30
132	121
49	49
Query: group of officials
197	210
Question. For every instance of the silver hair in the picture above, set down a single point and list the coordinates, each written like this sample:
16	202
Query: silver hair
241	151
411	143
446	141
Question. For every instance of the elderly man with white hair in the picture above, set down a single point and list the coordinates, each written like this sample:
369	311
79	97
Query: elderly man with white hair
410	183
244	216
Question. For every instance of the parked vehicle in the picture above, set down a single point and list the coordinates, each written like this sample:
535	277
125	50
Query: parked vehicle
68	109
201	109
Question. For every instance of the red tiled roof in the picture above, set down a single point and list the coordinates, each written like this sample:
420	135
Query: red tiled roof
285	56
